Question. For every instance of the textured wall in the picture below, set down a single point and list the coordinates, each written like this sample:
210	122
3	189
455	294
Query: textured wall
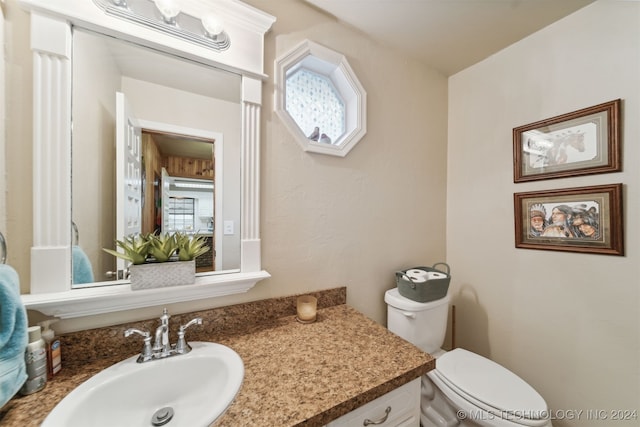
566	322
329	221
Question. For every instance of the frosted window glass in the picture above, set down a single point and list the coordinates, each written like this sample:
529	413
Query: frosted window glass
312	101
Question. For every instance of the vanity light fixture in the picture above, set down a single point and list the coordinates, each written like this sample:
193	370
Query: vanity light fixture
169	9
213	25
166	16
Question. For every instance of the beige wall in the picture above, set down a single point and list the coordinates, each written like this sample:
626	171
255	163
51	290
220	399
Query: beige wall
18	152
3	177
329	221
568	323
353	221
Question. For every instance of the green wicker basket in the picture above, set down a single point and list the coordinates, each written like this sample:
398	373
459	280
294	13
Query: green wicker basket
434	288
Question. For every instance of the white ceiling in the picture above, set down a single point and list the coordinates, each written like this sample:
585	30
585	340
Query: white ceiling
449	35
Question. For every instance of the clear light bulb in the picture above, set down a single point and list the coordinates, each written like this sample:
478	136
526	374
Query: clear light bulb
212	24
169	9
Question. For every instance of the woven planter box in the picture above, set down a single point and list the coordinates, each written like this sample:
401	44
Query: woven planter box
158	275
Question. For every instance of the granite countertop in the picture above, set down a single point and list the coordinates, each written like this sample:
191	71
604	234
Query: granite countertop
295	374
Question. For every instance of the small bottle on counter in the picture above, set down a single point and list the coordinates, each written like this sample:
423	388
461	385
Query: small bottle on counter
36	362
54	352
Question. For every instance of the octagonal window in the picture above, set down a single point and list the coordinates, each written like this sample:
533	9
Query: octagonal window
319	99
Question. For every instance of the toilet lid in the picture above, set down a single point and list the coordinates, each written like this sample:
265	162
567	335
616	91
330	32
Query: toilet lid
489	385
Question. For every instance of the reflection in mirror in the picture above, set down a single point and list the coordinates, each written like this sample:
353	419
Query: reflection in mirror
173	96
188	118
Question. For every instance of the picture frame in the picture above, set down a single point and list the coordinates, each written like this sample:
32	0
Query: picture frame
580	219
583	142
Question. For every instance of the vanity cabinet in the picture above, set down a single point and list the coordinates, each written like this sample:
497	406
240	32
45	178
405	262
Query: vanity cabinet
398	408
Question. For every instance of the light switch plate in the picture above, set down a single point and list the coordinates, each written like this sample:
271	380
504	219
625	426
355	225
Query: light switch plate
228	228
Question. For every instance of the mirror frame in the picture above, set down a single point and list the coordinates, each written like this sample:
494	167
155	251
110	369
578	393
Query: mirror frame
51	23
335	67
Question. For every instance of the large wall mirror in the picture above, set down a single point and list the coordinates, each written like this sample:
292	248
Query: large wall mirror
190	121
198	113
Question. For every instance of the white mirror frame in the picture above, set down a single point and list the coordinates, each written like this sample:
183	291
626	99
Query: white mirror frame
51	22
335	67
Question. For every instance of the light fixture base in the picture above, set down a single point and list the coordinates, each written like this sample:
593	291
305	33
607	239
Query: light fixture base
182	26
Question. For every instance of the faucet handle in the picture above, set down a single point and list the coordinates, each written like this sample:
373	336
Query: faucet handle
147	353
132	331
196	321
182	346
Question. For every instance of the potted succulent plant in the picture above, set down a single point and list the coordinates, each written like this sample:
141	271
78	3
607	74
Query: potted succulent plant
158	260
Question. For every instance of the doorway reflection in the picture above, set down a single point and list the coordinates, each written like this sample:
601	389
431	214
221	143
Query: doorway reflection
178	188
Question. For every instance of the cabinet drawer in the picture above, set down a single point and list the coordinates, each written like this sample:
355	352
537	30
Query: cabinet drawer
400	407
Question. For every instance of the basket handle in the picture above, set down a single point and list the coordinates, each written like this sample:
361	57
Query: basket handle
408	278
442	263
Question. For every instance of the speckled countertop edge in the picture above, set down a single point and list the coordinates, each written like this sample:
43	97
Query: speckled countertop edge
295	374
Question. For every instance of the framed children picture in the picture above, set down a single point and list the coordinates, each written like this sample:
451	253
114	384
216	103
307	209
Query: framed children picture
581	219
583	142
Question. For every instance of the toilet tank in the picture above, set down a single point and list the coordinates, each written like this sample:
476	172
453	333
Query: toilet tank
424	324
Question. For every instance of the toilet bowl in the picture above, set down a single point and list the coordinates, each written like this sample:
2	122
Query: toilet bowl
465	389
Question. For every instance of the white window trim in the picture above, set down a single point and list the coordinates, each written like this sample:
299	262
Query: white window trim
335	67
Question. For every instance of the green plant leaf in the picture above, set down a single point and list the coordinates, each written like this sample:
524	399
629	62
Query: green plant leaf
162	246
190	247
136	249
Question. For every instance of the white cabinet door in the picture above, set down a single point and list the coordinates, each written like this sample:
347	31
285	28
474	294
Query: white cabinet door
398	408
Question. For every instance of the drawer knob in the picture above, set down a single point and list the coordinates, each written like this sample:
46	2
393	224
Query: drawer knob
368	422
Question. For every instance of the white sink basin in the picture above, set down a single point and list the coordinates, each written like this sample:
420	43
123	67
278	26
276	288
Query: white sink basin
198	387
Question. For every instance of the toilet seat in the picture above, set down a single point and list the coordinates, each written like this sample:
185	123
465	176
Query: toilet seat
489	386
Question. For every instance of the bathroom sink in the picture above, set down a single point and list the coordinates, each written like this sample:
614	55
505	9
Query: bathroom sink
189	390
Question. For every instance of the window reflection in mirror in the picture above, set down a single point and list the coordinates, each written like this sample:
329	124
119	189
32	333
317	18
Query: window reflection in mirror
190	122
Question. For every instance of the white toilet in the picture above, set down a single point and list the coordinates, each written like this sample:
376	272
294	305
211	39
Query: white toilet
465	389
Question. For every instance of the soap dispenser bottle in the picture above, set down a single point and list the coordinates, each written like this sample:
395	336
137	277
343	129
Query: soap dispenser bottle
52	344
36	362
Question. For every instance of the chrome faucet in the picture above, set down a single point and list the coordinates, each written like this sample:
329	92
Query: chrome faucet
161	342
162	347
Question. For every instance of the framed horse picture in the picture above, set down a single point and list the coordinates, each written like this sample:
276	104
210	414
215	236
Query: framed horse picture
583	142
581	219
